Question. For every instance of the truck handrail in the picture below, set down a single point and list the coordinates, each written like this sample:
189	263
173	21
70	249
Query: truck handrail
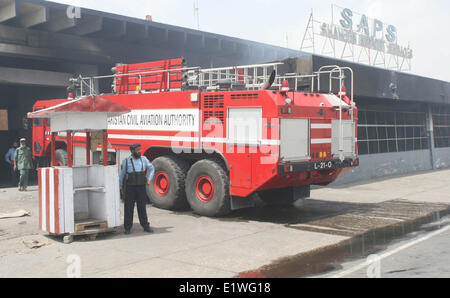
252	77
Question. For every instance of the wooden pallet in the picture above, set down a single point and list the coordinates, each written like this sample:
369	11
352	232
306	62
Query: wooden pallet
90	234
90	224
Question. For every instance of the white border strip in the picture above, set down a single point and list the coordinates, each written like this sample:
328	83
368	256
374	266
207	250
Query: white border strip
271	142
183	139
51	178
44	199
320	141
154	138
62	227
214	140
321	126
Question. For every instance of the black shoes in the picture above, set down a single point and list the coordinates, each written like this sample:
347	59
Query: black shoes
148	230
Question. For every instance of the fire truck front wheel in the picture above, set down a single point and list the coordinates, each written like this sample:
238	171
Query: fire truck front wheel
208	189
167	190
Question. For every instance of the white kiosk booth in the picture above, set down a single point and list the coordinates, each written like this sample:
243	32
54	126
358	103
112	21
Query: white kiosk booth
79	200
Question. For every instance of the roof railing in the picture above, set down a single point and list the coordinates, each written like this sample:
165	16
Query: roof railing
248	77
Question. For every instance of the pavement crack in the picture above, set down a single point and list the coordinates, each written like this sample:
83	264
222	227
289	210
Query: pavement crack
101	272
197	265
218	242
400	271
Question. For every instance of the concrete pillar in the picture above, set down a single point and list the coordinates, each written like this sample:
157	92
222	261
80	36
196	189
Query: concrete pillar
430	132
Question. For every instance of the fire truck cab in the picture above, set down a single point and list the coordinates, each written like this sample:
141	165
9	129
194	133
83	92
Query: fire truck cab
218	137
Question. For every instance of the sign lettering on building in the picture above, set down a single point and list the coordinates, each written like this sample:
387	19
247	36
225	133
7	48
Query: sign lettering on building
355	30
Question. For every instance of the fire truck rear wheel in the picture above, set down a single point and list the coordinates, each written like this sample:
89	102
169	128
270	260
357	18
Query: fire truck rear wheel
167	190
208	189
61	157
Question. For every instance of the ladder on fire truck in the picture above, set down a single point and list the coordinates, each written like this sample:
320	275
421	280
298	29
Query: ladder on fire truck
172	75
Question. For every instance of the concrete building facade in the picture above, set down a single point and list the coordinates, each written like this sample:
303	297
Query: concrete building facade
404	120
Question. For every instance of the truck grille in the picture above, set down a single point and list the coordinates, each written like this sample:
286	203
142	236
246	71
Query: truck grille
213	101
245	96
213	106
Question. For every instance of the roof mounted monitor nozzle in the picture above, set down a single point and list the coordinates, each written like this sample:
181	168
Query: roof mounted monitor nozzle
271	80
224	84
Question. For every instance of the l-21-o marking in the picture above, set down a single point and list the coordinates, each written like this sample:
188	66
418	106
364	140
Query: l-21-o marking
323	165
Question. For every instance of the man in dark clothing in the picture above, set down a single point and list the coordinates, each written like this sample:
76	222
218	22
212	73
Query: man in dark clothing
23	163
137	172
9	158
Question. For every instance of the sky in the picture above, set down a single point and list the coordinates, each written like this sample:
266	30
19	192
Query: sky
424	25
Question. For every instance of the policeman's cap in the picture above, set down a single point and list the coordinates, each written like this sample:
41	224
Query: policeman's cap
135	146
23	140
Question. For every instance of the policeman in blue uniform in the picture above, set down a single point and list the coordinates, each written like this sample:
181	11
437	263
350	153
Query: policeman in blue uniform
136	173
9	158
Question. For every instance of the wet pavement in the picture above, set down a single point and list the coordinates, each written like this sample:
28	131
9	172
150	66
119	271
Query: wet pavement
370	228
420	254
338	218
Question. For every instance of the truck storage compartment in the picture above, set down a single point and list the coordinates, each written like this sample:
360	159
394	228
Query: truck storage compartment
295	140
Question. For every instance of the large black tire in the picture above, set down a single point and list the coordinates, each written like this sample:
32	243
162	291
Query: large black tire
170	172
208	189
278	197
61	158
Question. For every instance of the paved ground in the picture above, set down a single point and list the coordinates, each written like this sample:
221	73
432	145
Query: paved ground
422	254
185	245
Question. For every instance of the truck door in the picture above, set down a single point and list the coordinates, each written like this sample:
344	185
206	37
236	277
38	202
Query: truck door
38	136
244	133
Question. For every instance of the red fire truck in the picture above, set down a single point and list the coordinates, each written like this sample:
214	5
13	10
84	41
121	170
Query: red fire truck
219	136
